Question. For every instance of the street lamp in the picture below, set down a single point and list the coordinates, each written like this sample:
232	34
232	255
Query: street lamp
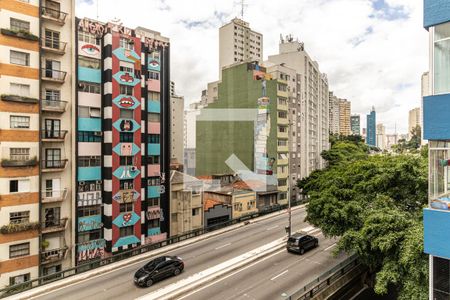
289	227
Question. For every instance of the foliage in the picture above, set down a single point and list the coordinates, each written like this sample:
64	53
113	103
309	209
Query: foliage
374	203
412	144
13	228
345	148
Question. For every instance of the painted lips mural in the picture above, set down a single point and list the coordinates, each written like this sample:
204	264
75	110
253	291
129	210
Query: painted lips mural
126	102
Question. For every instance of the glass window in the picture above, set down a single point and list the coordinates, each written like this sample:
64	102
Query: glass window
92	210
442	58
19	250
126	90
88	62
19	278
126	43
439	161
155	222
88	38
153	159
19	217
126	137
153	201
126	207
19	122
153	117
19	25
89	87
126	160
89	136
52	95
20	89
126	184
126	231
153	138
153	96
90	186
153	75
19	153
153	181
89	161
19	58
282	114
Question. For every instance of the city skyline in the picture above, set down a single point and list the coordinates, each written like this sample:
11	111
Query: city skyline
379	76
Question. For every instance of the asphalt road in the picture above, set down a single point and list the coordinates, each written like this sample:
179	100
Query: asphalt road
198	256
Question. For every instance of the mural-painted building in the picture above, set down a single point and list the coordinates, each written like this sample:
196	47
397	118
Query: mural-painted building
436	111
123	133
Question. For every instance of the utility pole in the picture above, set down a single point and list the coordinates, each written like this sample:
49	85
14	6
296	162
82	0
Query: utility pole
289	231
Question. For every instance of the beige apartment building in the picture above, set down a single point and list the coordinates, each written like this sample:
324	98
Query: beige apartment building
414	119
36	88
186	203
344	117
334	114
177	128
381	137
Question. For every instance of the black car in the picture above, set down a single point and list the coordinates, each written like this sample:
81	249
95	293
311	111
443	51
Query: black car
301	242
158	269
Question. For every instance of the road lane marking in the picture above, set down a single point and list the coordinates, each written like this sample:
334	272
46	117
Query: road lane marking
329	247
217	248
273	227
231	274
281	274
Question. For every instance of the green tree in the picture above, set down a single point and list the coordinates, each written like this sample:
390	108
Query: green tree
374	203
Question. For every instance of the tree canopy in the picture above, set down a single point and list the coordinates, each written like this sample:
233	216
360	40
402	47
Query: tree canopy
374	204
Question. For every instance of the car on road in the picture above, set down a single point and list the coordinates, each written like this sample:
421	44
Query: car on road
299	243
158	269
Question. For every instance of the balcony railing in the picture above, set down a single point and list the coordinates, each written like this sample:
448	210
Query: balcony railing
19	162
53	45
54	255
57	106
54	225
53	196
13	228
53	135
53	75
23	34
53	15
53	165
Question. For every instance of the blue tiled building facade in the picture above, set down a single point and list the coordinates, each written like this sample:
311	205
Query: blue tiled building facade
436	120
371	138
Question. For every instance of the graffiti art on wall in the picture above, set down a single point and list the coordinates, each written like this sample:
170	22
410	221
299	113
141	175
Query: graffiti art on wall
126	78
126	172
91	254
153	213
126	219
89	223
156	238
126	196
90	49
125	148
91	245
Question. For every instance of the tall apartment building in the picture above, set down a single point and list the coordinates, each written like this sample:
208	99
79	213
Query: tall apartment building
123	136
344	117
371	131
381	136
436	123
414	119
177	128
313	96
35	174
249	121
238	42
355	124
334	113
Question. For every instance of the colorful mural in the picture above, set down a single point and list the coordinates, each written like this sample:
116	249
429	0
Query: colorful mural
89	223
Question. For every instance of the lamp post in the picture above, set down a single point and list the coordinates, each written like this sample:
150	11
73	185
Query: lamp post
289	231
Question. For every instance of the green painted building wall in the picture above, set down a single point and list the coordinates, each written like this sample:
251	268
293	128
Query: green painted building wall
217	140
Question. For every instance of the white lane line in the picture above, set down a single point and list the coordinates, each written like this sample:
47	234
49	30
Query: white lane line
217	248
281	274
329	247
230	275
273	227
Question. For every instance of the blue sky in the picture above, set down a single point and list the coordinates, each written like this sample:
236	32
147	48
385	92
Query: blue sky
373	51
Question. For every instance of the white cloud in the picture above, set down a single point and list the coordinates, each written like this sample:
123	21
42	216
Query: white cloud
371	57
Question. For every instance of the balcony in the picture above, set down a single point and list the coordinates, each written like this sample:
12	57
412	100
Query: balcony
53	196
20	34
53	135
54	255
54	225
53	46
53	15
57	165
17	98
15	162
55	106
13	228
51	75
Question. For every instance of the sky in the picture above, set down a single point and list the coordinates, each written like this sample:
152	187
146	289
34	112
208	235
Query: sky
373	51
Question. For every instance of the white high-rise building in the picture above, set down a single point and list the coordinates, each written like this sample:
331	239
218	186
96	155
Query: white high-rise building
334	113
381	136
238	42
414	120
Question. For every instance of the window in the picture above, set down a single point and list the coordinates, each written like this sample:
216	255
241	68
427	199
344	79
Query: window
153	75
52	95
19	250
126	43
155	222
153	181
89	136
442	58
87	236
19	279
282	114
126	114
19	25
195	211
85	211
19	153
153	138
154	117
95	112
126	67
126	207
88	38
19	58
282	128
282	182
20	89
89	161
154	54
89	112
153	201
153	96
19	186
52	39
282	101
126	160
87	62
126	184
89	87
126	137
153	159
126	231
282	142
126	90
19	217
19	122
